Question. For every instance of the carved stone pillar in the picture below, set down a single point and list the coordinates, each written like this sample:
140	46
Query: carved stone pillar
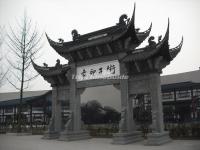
57	113
158	135
54	126
127	133
156	104
78	108
73	98
75	133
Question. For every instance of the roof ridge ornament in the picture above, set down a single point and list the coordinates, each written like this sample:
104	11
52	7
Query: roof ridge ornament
58	65
151	41
123	20
60	40
75	35
165	38
45	65
159	38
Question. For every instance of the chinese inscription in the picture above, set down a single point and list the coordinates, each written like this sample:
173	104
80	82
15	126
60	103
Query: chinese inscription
97	71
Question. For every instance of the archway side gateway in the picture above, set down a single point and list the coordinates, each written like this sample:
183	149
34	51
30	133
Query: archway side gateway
112	52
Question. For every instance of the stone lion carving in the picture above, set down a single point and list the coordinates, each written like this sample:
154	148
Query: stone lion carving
122	124
68	125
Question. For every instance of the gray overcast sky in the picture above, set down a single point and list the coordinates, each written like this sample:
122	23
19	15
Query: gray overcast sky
59	17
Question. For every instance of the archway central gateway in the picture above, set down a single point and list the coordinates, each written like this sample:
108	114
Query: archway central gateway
110	52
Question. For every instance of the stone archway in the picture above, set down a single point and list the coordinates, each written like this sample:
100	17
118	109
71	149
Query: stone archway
114	50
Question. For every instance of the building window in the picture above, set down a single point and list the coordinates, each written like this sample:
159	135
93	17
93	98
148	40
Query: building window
183	94
168	96
196	92
9	110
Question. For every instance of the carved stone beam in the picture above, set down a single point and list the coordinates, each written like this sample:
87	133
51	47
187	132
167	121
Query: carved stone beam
157	63
69	75
117	86
127	43
150	63
69	57
80	55
137	66
109	48
99	51
60	79
89	53
120	45
164	64
51	81
121	55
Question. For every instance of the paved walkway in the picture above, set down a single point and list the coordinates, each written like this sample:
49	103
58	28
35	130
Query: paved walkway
30	142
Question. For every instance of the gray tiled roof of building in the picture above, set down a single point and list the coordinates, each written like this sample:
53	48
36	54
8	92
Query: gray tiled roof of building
192	76
16	95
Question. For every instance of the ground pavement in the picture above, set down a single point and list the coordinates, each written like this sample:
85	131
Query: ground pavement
34	142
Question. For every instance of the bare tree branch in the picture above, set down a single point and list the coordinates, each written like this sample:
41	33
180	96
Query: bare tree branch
2	77
24	43
16	76
3	73
13	84
13	65
31	78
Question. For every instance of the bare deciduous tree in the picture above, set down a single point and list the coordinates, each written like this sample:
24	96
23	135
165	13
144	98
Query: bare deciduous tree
24	42
3	73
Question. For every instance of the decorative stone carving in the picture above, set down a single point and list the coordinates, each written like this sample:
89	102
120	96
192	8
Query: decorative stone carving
123	19
75	35
58	65
159	38
151	41
68	125
122	124
61	40
45	65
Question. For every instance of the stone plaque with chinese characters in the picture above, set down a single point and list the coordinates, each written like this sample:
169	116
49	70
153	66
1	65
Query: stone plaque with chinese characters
105	70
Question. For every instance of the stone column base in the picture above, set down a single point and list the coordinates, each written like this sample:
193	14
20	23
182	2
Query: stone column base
74	135
156	138
51	135
127	137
